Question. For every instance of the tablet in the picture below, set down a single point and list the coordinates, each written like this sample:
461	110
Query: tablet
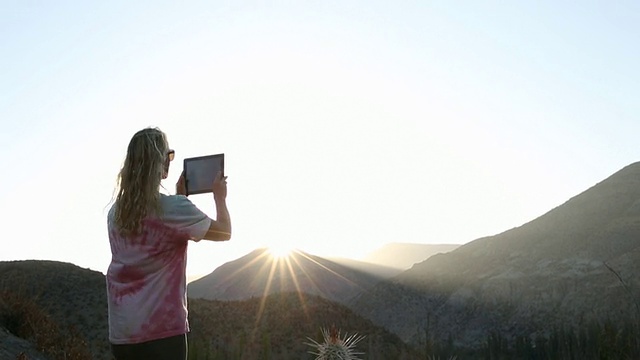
199	173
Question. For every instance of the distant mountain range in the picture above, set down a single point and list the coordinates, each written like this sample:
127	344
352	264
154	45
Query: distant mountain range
575	265
405	255
337	279
258	274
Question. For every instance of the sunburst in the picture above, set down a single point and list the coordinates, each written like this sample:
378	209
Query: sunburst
280	251
280	264
285	262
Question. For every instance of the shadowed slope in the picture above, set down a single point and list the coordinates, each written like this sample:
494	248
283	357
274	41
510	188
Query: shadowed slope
555	271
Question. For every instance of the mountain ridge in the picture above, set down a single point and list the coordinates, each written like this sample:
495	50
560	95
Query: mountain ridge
258	274
403	255
552	271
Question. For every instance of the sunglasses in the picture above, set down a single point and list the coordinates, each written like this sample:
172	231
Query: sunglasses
171	154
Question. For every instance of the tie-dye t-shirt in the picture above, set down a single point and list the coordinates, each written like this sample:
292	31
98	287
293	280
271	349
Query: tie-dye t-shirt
146	282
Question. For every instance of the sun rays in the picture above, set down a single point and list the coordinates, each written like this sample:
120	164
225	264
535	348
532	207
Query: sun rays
283	265
285	270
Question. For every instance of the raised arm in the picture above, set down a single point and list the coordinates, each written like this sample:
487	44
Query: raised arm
220	228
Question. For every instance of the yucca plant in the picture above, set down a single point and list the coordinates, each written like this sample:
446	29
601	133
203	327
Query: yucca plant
335	347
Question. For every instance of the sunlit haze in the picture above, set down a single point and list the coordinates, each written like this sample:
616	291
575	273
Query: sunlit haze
345	125
280	251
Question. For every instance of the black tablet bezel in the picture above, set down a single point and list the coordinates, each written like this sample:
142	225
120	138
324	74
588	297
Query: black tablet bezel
200	158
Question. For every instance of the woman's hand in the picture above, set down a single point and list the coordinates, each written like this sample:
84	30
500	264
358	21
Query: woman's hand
181	187
220	187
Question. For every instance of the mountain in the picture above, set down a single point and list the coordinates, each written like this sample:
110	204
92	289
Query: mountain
258	273
404	255
577	265
55	310
377	270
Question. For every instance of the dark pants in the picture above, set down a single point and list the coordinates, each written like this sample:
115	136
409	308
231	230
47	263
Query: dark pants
171	348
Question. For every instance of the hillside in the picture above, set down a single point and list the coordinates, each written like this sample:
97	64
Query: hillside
60	309
576	265
258	273
63	300
280	325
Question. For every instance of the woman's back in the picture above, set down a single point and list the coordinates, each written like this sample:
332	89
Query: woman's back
146	278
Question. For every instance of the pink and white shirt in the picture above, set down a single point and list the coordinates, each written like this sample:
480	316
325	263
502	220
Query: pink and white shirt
146	282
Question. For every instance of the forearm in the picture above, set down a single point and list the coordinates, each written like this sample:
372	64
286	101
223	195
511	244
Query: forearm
220	228
222	215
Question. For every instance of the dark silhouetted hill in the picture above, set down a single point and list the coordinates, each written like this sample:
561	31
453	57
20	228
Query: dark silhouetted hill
55	306
54	310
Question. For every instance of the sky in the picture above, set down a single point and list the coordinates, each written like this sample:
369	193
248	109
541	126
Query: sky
345	125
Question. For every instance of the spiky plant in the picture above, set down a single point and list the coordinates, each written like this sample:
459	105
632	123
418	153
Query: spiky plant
335	347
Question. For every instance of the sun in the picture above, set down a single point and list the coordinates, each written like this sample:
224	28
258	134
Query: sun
281	251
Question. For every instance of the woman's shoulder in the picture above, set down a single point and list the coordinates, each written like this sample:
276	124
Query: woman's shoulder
178	208
175	203
172	200
111	213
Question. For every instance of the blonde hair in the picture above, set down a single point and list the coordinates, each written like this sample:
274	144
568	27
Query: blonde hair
138	186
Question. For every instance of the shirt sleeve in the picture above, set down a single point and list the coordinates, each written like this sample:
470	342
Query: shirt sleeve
182	214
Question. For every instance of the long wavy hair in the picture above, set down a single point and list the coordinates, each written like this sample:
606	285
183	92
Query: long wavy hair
138	185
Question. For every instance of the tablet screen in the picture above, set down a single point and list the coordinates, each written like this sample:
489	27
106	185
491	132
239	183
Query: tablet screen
201	171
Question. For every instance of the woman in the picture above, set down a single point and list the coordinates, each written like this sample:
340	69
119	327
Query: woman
148	233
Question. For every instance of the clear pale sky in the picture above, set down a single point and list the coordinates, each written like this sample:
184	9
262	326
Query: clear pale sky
346	124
